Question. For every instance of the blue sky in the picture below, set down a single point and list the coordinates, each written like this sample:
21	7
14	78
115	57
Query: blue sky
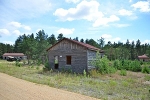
114	20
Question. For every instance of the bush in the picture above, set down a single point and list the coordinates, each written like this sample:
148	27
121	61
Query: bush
126	64
39	62
37	67
112	70
123	72
141	62
94	73
66	70
24	62
45	69
46	66
135	66
102	64
117	64
18	64
145	70
84	73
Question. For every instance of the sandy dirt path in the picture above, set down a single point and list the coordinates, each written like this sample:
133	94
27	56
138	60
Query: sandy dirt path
12	88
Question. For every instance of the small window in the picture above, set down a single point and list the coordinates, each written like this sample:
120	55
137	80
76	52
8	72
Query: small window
56	59
68	60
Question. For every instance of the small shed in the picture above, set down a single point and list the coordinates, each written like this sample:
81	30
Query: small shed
15	55
72	55
143	58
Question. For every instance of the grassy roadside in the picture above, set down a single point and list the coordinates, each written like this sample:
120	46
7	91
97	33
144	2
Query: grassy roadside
134	86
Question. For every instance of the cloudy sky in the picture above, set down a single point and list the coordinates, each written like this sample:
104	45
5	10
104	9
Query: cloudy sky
114	20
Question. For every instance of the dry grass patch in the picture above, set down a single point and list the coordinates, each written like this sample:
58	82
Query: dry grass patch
107	87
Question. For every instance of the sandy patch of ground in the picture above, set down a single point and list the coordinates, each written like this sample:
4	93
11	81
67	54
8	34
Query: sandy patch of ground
12	88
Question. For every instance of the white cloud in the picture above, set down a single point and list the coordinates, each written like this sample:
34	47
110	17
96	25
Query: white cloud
19	9
65	31
19	25
8	42
124	12
85	10
105	21
116	39
106	36
17	32
121	25
130	0
31	7
38	30
26	27
146	41
74	1
15	24
4	32
144	6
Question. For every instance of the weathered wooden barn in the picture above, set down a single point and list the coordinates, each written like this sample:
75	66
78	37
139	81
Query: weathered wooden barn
15	55
143	58
72	55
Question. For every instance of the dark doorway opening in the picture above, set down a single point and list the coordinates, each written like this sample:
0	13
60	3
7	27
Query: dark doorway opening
56	63
68	60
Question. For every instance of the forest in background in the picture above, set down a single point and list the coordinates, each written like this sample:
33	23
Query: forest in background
34	46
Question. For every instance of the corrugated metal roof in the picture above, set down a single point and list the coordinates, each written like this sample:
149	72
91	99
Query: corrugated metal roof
79	43
13	54
143	57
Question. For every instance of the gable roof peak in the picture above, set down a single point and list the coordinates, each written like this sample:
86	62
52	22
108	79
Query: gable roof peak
88	46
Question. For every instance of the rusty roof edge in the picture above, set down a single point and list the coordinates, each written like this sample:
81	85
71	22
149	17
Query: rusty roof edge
16	54
54	44
77	42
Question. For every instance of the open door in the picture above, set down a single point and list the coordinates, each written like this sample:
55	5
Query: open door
56	62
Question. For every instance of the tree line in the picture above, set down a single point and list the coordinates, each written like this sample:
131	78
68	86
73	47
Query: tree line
34	46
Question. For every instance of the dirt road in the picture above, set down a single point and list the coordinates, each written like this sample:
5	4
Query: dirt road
12	88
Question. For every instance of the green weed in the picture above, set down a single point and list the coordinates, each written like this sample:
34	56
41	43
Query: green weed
145	70
123	72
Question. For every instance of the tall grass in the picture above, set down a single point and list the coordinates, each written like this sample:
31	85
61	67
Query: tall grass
98	85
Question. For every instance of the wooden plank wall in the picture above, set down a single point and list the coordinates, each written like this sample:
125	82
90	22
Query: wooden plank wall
78	56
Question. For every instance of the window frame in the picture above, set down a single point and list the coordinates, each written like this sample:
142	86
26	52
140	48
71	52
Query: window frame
68	59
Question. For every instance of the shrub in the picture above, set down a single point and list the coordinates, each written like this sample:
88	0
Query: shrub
84	73
116	64
135	66
46	66
112	83
147	78
37	68
102	64
24	62
112	70
141	62
66	70
123	72
126	65
51	70
32	66
39	62
145	70
18	64
69	70
94	73
45	69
